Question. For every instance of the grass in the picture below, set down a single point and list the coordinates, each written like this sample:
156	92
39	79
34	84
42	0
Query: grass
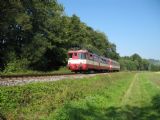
141	100
115	96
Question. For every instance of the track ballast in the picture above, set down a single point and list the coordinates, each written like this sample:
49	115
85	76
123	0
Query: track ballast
13	80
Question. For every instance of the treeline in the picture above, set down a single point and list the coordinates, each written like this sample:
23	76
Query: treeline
135	62
36	35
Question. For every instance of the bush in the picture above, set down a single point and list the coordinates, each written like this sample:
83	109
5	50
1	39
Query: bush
16	66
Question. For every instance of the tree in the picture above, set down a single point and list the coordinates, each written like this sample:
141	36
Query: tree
38	35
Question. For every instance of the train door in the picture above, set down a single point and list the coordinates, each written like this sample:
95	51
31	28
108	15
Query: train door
90	62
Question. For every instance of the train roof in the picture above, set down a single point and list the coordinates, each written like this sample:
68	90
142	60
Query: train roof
71	51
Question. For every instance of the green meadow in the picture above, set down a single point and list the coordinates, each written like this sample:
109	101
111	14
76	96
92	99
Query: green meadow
114	96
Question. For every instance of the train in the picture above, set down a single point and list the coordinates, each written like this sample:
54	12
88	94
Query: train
83	61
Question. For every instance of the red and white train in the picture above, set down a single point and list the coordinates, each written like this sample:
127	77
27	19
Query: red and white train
83	60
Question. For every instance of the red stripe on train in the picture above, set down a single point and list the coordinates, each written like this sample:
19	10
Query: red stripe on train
85	67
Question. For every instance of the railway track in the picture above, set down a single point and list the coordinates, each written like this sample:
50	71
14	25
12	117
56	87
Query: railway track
13	80
31	75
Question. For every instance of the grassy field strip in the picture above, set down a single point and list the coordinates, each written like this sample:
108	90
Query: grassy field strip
139	92
155	79
135	95
126	97
145	96
151	85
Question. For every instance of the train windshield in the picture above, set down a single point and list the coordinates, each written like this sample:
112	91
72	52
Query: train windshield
82	56
77	55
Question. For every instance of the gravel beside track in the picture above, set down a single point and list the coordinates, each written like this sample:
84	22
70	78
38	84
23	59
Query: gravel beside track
12	81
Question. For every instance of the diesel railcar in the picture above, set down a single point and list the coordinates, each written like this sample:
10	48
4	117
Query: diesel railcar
83	60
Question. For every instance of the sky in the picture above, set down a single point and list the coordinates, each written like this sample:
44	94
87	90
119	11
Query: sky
133	25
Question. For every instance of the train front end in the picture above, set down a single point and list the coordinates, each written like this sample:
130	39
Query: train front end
77	60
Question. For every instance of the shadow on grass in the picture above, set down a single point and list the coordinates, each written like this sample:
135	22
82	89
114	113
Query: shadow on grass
116	113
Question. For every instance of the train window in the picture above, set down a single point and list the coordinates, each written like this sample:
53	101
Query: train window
70	55
82	56
79	55
90	56
96	58
102	60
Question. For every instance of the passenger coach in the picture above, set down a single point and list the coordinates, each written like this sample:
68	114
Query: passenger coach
82	60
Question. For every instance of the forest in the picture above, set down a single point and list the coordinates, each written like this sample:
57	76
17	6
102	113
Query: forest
36	35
